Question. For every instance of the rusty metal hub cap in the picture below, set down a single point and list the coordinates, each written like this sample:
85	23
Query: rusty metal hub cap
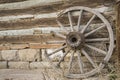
75	40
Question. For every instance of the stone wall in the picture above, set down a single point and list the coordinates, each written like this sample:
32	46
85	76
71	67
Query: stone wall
23	59
25	56
19	59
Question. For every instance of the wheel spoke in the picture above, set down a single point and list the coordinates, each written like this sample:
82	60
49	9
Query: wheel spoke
80	62
91	32
96	49
71	60
88	23
62	27
63	57
97	40
57	50
70	21
88	57
58	34
79	20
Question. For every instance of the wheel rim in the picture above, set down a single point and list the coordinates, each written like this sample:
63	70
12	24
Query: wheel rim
76	40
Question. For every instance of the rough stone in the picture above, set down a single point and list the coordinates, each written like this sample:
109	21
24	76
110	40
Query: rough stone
9	55
54	57
0	56
40	65
29	55
41	74
3	65
18	65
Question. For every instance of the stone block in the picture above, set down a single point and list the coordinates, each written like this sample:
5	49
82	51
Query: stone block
9	55
0	56
18	65
3	65
54	57
29	55
40	65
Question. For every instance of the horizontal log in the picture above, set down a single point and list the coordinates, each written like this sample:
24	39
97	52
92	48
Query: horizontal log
28	16
4	47
40	30
41	38
29	46
10	1
54	7
44	46
30	3
27	24
45	15
31	31
18	46
35	21
18	32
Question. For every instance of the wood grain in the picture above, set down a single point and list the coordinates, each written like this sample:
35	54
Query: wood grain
41	38
118	32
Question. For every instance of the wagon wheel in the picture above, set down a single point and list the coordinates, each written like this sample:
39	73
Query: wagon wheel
79	39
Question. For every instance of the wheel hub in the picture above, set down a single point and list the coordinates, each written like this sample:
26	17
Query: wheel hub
75	40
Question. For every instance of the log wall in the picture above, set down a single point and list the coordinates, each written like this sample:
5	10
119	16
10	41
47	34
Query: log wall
40	15
24	29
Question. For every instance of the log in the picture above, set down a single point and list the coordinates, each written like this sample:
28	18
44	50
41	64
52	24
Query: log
41	30
28	23
28	16
34	3
53	7
118	33
41	38
10	1
30	3
45	15
29	46
42	20
44	46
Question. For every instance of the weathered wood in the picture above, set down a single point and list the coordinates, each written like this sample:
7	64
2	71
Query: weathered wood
32	17
44	46
41	38
27	24
55	7
30	3
35	21
4	47
10	1
29	46
18	46
117	1
118	32
34	3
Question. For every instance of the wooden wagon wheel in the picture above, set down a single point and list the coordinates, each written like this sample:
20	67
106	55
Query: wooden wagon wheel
78	39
